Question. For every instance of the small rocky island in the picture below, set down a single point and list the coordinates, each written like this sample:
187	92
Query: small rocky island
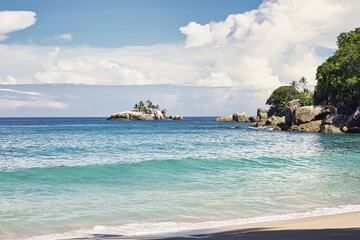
144	112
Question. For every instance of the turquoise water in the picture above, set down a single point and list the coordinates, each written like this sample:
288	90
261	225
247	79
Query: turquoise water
72	177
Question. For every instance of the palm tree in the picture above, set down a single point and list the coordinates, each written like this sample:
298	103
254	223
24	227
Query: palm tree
141	106
303	82
149	103
294	84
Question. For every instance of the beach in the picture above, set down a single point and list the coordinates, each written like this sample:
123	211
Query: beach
339	226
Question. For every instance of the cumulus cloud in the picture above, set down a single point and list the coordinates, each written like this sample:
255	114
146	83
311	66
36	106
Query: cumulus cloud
285	32
251	53
11	21
216	79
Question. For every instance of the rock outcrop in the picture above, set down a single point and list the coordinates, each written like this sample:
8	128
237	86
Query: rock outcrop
313	126
330	129
149	114
311	113
320	118
290	108
262	114
131	115
275	120
176	117
159	116
225	119
236	117
164	112
241	117
261	118
335	119
353	121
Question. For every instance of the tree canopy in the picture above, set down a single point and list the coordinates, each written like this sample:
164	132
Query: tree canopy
338	78
282	95
142	107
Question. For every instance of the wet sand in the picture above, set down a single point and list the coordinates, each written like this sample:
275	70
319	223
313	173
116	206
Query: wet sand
341	226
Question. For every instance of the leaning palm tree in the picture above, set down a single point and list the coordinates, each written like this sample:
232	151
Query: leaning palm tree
303	82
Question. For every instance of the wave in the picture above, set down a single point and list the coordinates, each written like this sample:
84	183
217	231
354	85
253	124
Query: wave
65	174
186	229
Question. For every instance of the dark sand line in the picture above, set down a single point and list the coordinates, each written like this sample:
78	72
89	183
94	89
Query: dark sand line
339	227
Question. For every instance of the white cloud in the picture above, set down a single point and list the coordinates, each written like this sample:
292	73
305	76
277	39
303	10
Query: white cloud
63	37
20	92
284	32
10	104
8	80
216	79
11	21
260	49
250	53
11	99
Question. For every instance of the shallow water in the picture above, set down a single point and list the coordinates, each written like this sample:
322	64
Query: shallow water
69	177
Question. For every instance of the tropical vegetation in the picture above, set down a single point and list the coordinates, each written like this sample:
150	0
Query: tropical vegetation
142	107
338	78
282	95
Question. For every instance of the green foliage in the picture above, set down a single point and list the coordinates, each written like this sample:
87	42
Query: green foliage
339	77
142	107
306	97
284	94
280	97
294	84
151	105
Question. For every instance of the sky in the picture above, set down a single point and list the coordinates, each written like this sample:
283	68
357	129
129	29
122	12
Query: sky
194	57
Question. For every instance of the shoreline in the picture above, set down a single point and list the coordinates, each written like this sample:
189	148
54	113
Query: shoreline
338	226
344	226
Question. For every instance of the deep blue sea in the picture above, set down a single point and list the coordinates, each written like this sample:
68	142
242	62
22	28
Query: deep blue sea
63	178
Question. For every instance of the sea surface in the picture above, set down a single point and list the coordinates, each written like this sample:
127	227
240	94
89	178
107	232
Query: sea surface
64	178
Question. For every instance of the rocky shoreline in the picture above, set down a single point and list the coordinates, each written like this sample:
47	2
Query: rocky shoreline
149	114
299	118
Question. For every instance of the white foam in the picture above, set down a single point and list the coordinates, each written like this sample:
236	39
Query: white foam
184	229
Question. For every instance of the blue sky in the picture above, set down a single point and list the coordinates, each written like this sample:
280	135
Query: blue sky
118	23
194	57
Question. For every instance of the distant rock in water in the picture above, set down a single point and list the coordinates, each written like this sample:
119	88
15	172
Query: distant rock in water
236	117
149	114
225	119
176	117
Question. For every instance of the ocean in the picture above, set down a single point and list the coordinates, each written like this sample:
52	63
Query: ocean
63	178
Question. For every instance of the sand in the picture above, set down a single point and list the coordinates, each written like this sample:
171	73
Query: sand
341	226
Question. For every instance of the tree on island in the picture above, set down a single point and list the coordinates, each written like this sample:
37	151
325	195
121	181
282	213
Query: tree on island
279	98
338	78
151	105
282	95
141	107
